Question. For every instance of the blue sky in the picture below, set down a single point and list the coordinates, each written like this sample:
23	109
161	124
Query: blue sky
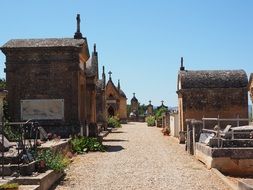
141	42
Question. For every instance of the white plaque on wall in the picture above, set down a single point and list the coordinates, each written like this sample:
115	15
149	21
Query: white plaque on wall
111	101
42	109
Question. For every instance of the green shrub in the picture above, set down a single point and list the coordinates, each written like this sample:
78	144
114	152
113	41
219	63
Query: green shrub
9	186
114	122
54	161
3	83
79	144
10	132
159	112
94	145
85	144
150	120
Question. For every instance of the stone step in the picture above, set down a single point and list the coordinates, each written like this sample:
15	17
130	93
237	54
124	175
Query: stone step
25	169
245	184
28	187
44	180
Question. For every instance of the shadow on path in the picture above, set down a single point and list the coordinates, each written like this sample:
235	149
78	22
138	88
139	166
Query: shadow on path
114	140
60	181
113	148
118	132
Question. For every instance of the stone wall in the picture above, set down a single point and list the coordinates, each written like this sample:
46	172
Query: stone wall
123	108
174	127
91	100
214	102
115	100
46	73
250	87
100	106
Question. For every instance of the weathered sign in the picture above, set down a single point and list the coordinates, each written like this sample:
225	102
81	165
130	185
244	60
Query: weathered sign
42	109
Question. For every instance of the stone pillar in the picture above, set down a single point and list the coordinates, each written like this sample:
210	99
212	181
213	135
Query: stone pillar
251	97
251	122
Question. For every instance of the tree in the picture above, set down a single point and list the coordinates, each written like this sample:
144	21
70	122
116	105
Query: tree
142	109
2	83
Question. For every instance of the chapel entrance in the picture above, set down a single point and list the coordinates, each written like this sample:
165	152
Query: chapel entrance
110	111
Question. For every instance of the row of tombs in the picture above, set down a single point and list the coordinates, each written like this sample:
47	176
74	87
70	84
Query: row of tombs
53	91
214	119
56	82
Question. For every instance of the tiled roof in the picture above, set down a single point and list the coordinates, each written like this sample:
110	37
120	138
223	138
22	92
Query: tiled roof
134	99
48	42
92	65
251	77
121	93
213	79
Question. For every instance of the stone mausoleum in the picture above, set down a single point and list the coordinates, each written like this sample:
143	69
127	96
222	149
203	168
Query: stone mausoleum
95	99
116	101
213	93
150	109
134	108
49	80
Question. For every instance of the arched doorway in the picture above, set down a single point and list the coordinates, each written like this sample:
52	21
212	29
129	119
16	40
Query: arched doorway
110	111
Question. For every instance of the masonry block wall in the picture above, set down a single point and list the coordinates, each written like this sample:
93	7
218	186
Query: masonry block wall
212	94
47	69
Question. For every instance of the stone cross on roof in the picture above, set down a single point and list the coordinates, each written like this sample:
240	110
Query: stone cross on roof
182	64
110	75
95	48
118	84
78	21
78	34
162	102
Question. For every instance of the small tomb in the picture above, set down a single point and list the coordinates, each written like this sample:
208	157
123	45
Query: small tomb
229	150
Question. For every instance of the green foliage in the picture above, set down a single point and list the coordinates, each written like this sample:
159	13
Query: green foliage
94	145
84	144
9	186
150	120
128	109
142	109
6	110
159	113
78	145
10	132
2	83
54	161
114	122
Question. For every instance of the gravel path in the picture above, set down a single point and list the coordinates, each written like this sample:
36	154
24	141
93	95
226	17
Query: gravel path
139	157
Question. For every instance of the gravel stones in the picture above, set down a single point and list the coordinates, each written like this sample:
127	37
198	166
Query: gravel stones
139	157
